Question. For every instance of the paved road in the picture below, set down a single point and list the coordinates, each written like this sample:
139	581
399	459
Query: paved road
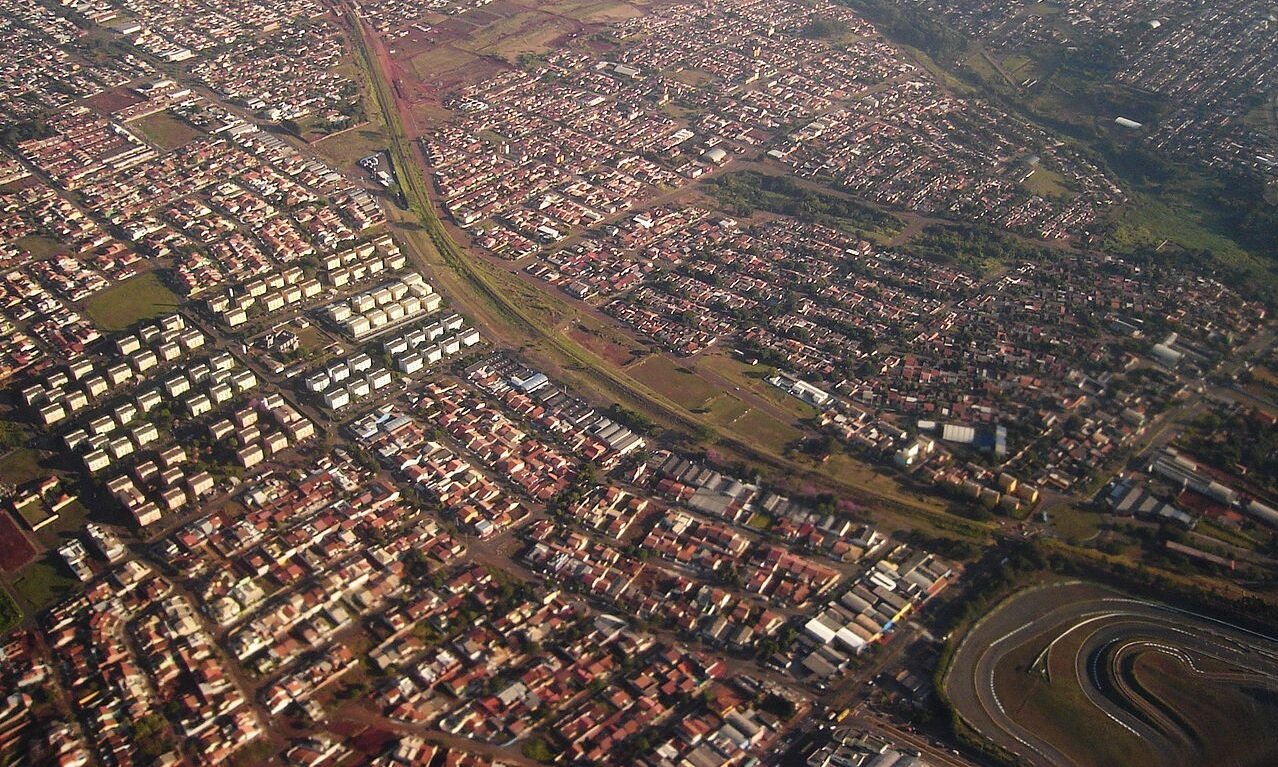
1102	629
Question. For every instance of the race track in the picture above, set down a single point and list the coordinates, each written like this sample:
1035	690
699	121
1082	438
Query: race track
1096	636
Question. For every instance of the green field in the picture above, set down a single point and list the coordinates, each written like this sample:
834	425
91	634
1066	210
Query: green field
39	246
43	583
673	381
1046	183
166	131
20	466
138	298
758	427
1152	223
1221	533
1075	525
349	147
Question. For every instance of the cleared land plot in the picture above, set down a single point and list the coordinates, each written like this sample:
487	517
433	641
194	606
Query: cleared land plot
165	131
349	147
38	246
15	549
34	514
604	341
438	61
112	100
530	32
71	520
1046	183
760	428
754	377
1074	524
21	466
673	382
138	298
592	11
43	583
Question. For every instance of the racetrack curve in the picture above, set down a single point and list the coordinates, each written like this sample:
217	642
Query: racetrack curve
1106	632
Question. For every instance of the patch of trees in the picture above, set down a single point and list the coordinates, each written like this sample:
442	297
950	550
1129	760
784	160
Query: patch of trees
823	27
913	26
1237	438
22	131
942	546
971	248
631	419
747	191
1249	214
10	615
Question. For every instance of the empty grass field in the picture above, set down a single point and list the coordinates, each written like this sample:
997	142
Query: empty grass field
20	466
441	60
136	299
1046	183
758	427
165	131
43	584
349	147
673	381
39	246
1075	525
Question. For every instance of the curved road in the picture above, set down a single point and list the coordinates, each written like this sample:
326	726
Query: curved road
1105	631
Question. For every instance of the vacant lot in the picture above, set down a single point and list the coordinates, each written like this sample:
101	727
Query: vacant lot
674	382
43	583
757	427
605	341
439	61
1047	183
165	131
15	549
349	147
20	466
133	300
39	246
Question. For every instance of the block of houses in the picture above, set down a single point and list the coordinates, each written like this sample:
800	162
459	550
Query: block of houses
148	400
250	455
221	429
276	442
146	514
173	498
199	484
177	385
126	345
198	405
103	424
95	386
120	447
96	460
75	400
145	434
143	360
